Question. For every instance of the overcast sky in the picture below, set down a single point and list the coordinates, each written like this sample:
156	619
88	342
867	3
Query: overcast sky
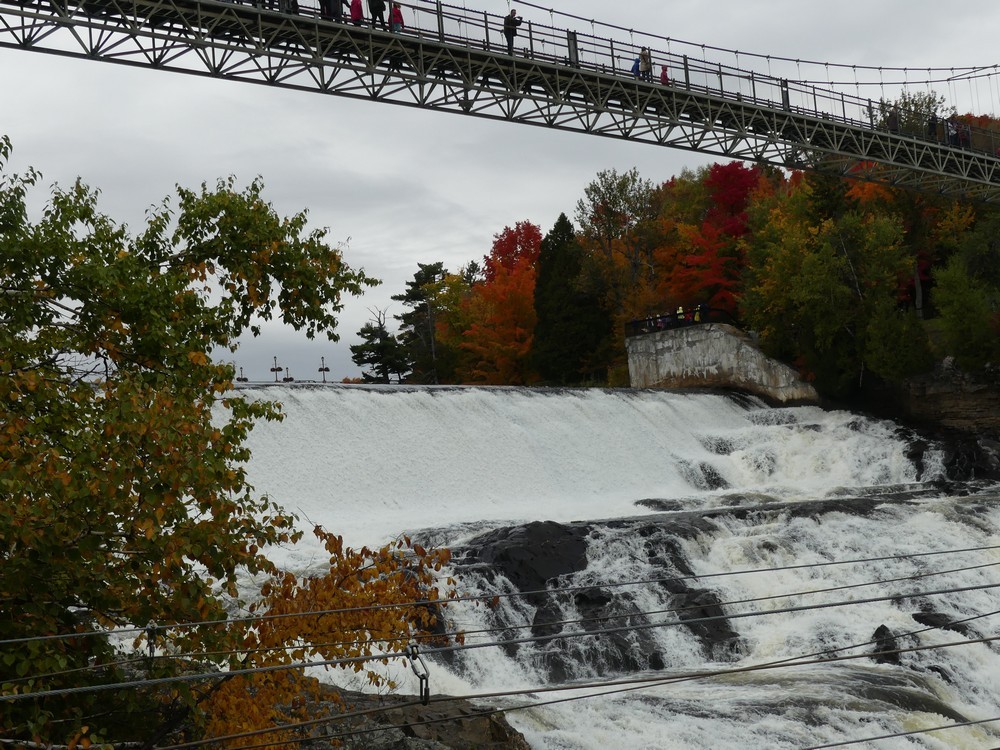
397	185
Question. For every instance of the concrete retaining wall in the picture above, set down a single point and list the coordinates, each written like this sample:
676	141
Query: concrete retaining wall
711	355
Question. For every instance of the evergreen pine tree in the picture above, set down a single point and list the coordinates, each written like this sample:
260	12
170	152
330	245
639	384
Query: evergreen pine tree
381	351
571	322
416	331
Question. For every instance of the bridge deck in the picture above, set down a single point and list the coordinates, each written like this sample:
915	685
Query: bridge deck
455	60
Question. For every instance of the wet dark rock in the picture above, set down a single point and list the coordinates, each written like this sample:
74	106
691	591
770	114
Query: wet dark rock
591	600
394	723
941	672
656	661
885	646
916	699
703	476
660	505
548	620
964	455
531	555
938	620
619	638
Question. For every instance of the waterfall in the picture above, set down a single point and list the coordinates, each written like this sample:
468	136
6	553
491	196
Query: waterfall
695	532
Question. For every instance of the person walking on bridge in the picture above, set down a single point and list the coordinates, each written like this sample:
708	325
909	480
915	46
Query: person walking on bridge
396	19
645	65
510	24
377	10
357	13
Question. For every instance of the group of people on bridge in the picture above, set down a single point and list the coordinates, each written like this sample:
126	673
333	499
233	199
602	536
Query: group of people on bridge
951	131
333	10
642	67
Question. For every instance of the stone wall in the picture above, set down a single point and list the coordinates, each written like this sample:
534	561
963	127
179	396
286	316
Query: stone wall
712	355
951	398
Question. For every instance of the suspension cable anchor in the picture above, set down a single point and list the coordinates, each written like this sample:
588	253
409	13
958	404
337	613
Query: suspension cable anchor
420	670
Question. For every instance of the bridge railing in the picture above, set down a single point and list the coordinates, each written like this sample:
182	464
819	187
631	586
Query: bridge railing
539	41
680	318
450	24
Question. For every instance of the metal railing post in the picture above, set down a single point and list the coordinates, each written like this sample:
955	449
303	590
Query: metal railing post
486	29
687	73
440	17
572	49
614	64
531	40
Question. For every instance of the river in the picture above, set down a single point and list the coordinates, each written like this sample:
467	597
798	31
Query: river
716	568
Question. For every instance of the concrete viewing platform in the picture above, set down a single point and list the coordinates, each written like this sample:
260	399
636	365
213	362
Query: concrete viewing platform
712	355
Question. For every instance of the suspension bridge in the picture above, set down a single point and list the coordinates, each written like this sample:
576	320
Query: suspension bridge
456	60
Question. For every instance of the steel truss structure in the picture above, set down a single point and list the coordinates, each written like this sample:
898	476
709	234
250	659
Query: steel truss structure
297	51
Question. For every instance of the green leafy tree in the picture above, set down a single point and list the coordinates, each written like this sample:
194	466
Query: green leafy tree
380	351
826	295
968	295
914	111
617	216
124	501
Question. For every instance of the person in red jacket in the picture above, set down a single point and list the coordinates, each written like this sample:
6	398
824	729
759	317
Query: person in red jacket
357	14
396	18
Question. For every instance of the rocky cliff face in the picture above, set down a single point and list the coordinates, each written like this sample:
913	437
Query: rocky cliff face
951	398
712	355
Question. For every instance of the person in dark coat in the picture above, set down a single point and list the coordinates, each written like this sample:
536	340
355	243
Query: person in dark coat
377	10
510	24
332	9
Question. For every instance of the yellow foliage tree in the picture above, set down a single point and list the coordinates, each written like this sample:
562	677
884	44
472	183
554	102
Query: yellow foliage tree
124	504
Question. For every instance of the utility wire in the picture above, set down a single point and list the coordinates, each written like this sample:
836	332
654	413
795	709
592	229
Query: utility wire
710	618
624	685
501	628
489	597
467	647
941	728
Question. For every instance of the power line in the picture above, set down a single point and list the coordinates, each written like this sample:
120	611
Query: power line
153	628
508	627
625	685
501	628
710	618
467	647
941	728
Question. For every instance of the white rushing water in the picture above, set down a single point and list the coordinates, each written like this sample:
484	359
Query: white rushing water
766	486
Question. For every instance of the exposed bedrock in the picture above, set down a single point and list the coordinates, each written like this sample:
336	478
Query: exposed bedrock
549	563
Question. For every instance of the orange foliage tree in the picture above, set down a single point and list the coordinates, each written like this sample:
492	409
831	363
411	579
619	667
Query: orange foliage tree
366	607
710	271
498	340
522	242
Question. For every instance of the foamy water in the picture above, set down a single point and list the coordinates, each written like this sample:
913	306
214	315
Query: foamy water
371	463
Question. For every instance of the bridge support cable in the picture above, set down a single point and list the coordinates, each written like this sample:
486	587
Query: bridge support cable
564	80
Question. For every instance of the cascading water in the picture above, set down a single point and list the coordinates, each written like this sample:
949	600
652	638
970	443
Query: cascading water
657	536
